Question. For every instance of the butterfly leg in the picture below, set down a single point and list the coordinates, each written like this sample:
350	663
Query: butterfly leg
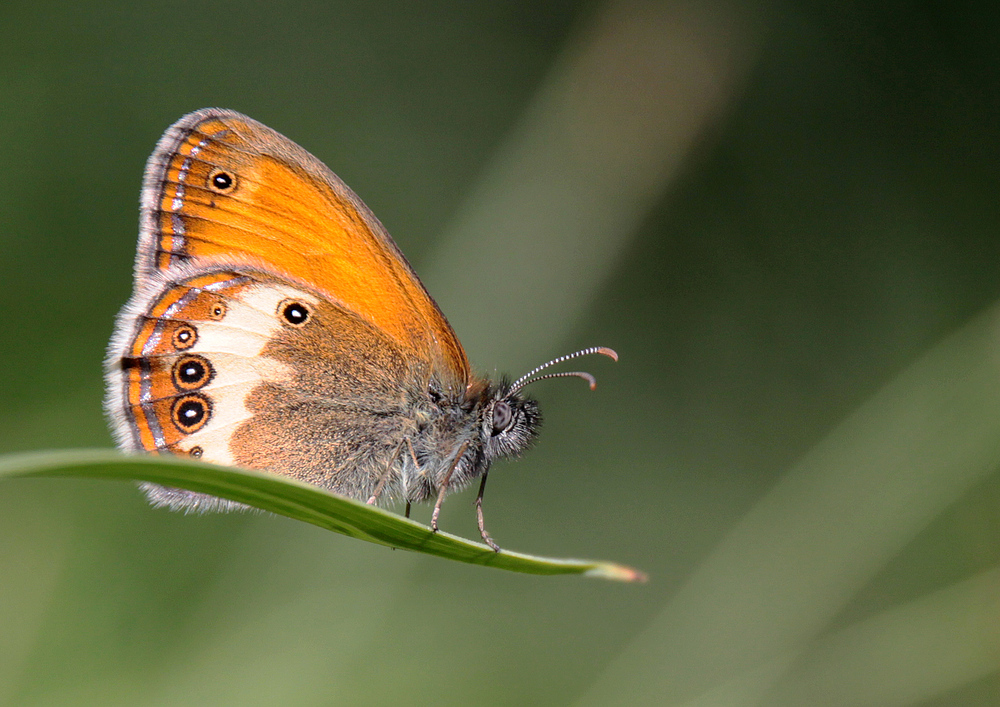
416	466
444	487
384	478
479	516
413	454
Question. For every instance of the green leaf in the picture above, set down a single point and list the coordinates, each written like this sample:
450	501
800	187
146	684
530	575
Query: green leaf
300	501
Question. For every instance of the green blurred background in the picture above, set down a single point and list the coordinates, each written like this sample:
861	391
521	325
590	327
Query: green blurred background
784	217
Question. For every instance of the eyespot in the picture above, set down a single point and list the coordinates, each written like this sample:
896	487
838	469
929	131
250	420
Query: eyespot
217	312
294	312
192	372
503	415
221	182
196	452
184	337
190	412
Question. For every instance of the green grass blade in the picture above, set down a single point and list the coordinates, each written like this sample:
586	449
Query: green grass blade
300	501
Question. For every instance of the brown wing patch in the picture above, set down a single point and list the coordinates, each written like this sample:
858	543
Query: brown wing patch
338	421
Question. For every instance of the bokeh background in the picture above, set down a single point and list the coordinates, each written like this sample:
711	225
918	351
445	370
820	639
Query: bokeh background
784	217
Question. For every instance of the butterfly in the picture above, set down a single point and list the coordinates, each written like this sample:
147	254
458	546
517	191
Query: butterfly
275	325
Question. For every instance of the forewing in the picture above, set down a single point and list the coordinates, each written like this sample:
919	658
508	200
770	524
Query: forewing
221	187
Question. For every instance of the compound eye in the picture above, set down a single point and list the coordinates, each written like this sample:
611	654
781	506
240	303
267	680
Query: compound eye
503	415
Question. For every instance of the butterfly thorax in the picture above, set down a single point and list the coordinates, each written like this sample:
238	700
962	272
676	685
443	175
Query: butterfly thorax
456	438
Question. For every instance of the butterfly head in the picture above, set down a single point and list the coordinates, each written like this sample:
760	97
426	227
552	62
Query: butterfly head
510	420
509	423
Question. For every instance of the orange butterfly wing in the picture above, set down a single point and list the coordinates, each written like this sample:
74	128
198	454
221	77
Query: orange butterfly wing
222	188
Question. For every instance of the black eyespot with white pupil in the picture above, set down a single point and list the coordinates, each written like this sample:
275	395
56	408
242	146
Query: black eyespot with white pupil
221	181
294	312
184	337
190	413
503	415
217	311
192	372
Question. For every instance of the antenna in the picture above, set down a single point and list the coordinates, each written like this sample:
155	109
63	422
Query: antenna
527	379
